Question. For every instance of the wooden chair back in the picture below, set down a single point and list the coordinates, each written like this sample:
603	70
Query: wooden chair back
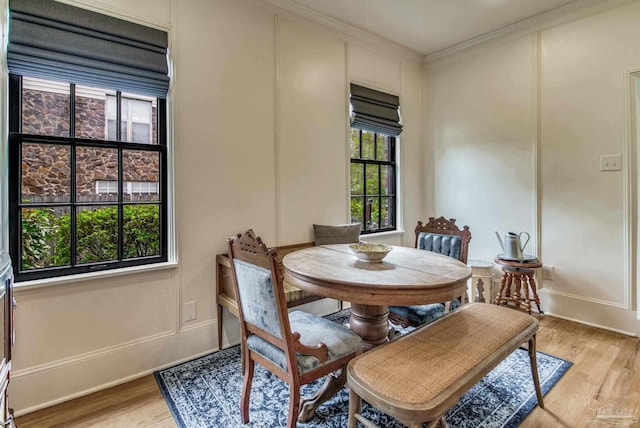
443	227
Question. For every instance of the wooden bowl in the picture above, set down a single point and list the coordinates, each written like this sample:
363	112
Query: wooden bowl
370	252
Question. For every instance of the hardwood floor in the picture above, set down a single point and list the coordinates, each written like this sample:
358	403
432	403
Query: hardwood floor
606	369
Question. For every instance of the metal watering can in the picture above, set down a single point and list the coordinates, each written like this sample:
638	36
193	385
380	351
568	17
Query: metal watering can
511	246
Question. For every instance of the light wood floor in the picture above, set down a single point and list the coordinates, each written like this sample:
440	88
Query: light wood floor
606	369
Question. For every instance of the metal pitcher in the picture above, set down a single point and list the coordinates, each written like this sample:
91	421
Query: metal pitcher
511	246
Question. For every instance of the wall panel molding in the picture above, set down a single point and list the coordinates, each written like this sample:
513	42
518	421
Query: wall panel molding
550	291
15	374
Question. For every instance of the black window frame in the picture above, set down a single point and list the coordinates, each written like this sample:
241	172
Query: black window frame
391	196
16	140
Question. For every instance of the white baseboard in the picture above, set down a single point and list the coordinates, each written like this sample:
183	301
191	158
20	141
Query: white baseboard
35	388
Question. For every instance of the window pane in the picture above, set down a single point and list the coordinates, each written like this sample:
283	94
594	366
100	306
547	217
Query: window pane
110	113
45	174
45	237
94	165
382	147
137	112
357	179
96	234
141	171
141	231
92	107
372	210
373	179
45	107
354	142
357	209
387	213
387	180
111	130
140	111
368	147
140	133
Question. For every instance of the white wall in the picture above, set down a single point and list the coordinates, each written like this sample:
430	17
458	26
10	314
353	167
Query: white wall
259	107
515	129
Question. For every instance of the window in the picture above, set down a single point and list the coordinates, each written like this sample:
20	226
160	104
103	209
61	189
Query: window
373	180
87	141
375	125
82	203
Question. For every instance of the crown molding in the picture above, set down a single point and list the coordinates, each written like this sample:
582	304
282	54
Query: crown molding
554	17
292	10
121	13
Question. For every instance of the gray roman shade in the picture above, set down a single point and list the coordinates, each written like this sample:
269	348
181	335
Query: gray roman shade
52	40
375	111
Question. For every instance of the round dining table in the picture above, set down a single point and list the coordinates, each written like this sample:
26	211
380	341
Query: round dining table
406	276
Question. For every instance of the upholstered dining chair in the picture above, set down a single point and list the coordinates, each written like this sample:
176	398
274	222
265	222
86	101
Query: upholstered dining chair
324	234
298	347
441	236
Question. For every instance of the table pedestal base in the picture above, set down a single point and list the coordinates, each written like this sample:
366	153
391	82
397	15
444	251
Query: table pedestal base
371	323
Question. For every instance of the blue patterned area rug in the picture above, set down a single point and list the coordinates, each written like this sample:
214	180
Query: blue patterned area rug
205	393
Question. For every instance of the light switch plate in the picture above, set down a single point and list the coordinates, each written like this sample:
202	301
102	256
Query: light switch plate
610	162
189	313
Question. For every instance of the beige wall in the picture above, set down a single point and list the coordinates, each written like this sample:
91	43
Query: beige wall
259	111
515	130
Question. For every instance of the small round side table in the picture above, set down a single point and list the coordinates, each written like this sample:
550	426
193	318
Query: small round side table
520	275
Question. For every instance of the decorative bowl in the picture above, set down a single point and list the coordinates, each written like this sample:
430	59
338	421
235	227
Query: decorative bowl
370	252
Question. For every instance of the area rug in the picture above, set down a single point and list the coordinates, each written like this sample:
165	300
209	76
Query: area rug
205	393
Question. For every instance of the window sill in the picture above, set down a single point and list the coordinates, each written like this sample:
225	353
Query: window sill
397	232
70	279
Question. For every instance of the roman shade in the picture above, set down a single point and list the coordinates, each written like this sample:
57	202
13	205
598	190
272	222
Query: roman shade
375	111
52	40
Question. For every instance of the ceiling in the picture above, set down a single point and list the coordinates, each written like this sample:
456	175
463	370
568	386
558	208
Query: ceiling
428	26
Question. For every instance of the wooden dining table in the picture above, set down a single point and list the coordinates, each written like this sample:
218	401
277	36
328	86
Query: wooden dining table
406	276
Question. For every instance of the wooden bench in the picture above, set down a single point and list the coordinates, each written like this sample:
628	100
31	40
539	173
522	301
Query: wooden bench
419	376
226	295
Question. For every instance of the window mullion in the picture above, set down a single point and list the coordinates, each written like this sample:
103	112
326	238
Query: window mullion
367	206
120	172
120	206
379	196
73	209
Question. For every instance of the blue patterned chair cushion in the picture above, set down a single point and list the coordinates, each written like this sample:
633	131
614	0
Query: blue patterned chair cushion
258	301
313	330
424	314
443	244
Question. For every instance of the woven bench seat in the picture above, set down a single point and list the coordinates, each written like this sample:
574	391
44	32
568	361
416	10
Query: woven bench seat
418	377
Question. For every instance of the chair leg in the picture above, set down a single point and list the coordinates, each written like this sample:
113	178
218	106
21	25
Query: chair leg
355	406
246	389
220	314
294	406
534	370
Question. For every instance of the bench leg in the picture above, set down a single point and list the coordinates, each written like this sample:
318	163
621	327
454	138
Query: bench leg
355	407
438	423
534	370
